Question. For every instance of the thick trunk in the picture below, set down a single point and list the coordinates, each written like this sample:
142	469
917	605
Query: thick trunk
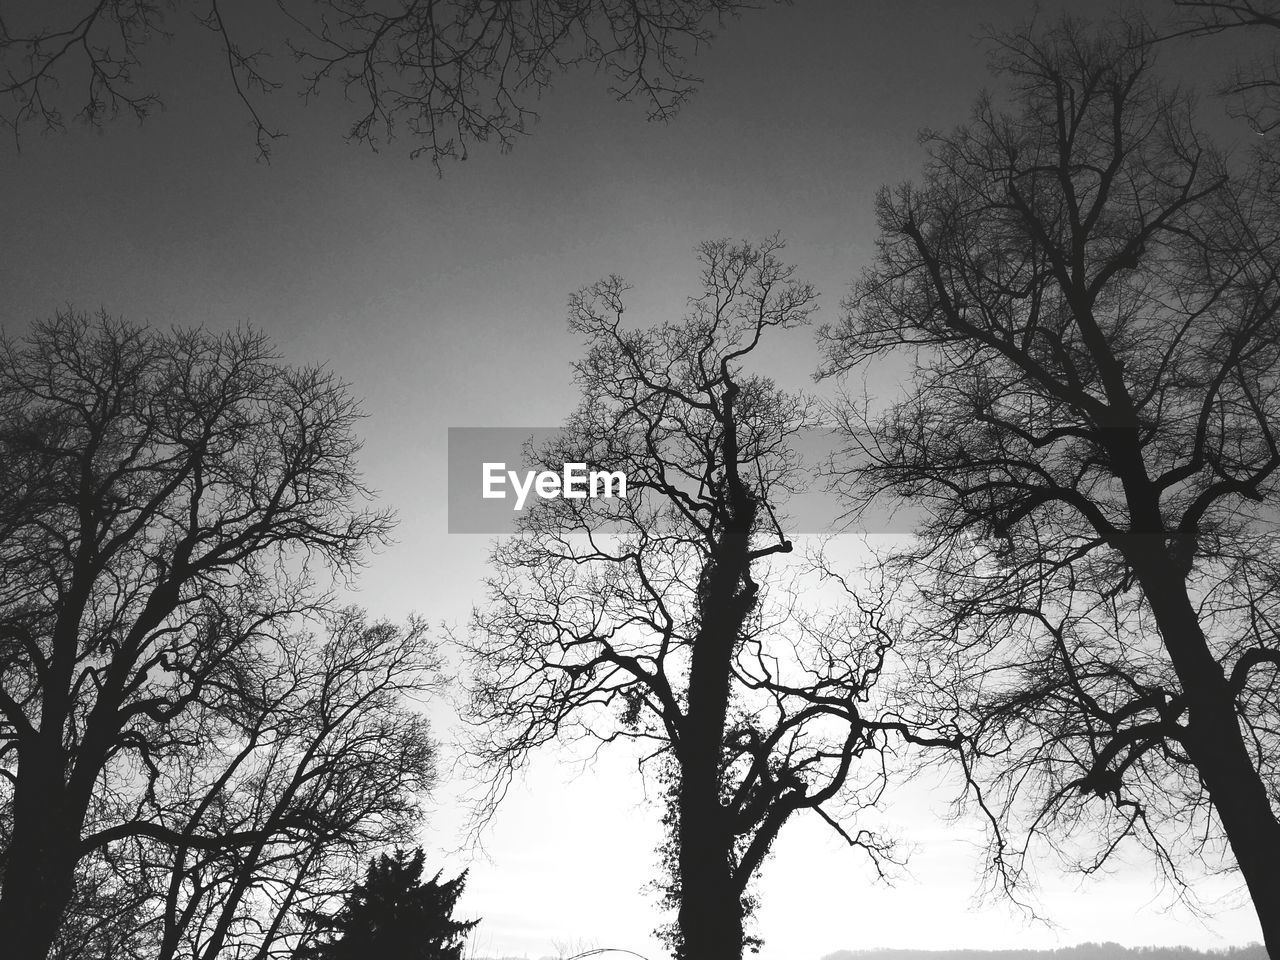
39	869
1216	745
1239	797
710	912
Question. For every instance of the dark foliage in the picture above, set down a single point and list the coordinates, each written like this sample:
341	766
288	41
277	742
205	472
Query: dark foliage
395	915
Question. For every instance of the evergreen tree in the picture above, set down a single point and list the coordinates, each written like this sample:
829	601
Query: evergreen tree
393	915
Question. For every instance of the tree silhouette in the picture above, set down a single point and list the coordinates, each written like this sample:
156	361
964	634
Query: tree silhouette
658	618
1091	295
177	693
321	765
395	915
324	764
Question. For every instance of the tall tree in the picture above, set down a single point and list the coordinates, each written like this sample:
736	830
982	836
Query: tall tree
446	73
654	618
396	915
1090	294
164	500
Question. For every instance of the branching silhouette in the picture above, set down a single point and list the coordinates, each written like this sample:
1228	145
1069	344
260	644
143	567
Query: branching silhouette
656	618
172	734
445	73
318	762
1254	86
1091	295
395	915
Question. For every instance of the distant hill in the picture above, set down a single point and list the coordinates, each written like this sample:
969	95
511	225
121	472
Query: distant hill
1084	951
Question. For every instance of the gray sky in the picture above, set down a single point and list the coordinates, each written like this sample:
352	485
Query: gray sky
442	301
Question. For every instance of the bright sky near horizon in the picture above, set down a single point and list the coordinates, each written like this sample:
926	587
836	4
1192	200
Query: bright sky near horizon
442	301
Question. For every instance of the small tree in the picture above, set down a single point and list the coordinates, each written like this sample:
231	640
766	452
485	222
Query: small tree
320	761
327	761
395	915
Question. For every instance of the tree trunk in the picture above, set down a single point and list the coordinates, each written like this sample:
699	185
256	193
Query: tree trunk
1239	797
39	869
710	912
1216	745
710	915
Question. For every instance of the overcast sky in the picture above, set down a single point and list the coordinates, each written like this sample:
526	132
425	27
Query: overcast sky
442	301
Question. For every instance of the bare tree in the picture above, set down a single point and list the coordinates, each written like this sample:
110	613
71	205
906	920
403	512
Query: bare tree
164	499
327	764
1090	293
655	618
316	763
448	73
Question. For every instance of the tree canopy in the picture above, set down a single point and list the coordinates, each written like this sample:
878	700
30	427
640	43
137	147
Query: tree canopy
444	74
662	619
190	731
1090	293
